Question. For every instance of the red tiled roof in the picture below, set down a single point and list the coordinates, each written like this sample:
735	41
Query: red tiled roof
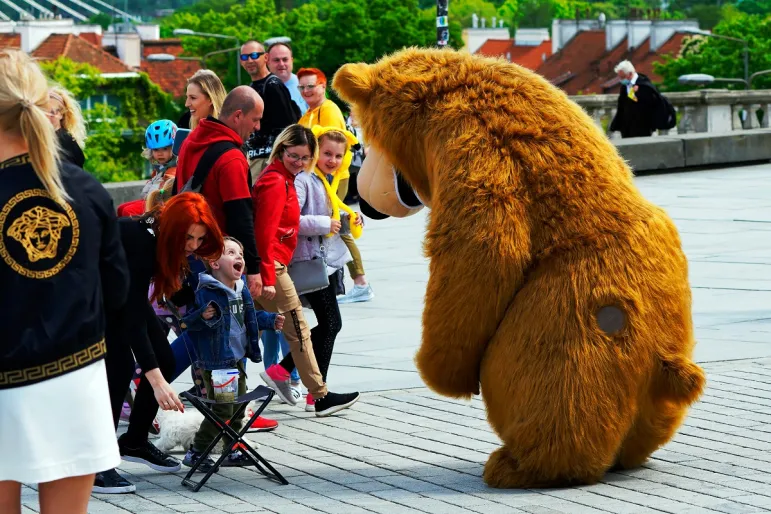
495	47
162	46
171	76
92	37
577	57
10	40
671	47
78	50
527	56
583	66
532	56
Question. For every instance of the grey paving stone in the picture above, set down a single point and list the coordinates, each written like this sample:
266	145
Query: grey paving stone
402	448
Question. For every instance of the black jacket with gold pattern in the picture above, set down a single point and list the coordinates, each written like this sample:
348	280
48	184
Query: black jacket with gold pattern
61	267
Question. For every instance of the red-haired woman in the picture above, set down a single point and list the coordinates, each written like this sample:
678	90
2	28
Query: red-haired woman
321	111
157	246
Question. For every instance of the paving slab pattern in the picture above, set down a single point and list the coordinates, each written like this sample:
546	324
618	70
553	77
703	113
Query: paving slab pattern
405	449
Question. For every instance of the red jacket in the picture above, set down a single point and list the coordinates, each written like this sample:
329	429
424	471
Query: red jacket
276	219
229	177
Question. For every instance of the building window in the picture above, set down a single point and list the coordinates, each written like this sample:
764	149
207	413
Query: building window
111	100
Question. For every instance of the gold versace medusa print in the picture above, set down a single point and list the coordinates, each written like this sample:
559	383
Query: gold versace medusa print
38	237
39	231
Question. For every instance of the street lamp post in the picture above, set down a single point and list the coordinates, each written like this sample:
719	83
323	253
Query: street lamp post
169	57
746	49
702	79
188	32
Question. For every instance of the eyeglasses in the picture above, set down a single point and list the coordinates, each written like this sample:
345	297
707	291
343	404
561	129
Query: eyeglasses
309	86
293	157
253	55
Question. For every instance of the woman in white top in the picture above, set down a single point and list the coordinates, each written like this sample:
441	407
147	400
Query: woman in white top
62	267
322	214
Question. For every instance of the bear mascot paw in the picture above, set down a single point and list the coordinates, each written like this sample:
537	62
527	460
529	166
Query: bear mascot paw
554	285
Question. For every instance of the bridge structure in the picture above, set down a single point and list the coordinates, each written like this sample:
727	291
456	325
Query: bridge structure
79	10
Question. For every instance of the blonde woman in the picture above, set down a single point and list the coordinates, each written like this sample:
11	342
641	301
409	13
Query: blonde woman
65	116
277	217
63	269
204	97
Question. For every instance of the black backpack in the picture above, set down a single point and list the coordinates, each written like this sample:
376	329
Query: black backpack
205	164
665	117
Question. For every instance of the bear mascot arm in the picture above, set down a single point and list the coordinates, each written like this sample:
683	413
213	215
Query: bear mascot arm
465	297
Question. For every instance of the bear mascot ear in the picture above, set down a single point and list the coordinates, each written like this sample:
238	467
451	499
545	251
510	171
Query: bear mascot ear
353	82
382	190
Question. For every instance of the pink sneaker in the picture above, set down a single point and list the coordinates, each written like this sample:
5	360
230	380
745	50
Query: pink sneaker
125	412
310	405
277	378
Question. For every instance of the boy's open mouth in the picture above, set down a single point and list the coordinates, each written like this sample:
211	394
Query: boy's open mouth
238	267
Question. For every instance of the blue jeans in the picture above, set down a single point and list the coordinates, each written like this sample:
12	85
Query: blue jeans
270	345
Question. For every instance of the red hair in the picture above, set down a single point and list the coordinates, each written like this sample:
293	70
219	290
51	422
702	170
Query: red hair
306	72
176	216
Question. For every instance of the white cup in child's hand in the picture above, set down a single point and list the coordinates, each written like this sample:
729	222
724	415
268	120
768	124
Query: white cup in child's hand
279	321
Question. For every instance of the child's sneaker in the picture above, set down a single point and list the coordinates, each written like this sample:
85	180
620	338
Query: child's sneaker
192	456
334	402
237	458
357	294
277	378
261	424
310	405
296	393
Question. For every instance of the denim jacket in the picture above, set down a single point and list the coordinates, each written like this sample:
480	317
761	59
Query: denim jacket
209	340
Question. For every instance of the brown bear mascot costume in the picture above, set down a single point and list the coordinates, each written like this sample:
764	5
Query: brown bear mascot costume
553	283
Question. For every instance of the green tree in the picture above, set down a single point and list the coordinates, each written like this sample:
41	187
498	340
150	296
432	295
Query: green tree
722	58
114	140
325	33
110	156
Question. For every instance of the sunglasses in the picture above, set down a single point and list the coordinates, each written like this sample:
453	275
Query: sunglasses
253	55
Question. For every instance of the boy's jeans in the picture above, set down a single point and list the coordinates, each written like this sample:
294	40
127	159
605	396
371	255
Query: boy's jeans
270	344
207	432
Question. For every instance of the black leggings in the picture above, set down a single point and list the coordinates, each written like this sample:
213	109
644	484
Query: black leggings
119	362
323	335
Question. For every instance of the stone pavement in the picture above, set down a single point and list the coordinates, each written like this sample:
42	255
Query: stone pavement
404	449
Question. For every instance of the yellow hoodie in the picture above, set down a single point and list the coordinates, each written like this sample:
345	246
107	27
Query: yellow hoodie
341	174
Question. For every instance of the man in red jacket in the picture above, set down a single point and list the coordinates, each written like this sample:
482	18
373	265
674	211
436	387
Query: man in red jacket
227	186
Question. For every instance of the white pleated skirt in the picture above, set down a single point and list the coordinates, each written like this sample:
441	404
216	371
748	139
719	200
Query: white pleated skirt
58	428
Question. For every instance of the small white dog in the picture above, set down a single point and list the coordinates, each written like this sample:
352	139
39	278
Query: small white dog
178	429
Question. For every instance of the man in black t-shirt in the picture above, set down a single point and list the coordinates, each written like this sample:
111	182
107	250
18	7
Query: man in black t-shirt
280	109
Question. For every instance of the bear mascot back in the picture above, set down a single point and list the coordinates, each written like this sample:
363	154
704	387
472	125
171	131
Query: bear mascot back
553	283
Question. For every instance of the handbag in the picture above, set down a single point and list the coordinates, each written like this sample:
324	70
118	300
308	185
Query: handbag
311	275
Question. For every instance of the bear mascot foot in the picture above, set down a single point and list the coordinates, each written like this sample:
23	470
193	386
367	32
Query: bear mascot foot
502	471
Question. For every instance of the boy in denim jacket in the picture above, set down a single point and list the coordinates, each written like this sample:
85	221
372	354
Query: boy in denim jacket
222	330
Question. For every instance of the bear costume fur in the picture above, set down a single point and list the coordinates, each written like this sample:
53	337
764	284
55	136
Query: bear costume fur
553	282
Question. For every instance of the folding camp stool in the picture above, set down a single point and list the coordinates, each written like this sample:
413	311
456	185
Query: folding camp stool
204	405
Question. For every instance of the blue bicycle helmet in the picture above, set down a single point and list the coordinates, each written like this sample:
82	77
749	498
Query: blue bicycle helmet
160	134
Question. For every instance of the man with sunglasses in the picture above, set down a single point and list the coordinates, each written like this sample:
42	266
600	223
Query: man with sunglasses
280	109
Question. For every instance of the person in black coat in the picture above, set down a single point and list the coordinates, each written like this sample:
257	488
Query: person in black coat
638	102
157	245
64	114
63	270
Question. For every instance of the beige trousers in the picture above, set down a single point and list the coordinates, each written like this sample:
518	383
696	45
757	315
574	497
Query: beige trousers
296	331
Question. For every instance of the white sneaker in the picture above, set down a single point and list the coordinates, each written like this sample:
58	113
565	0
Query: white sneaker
357	294
296	394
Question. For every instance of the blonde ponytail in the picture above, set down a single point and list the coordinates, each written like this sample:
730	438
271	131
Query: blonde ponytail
23	104
72	115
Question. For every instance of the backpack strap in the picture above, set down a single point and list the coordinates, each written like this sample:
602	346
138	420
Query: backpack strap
205	164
